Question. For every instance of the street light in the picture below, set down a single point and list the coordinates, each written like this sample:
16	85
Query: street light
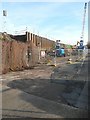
4	20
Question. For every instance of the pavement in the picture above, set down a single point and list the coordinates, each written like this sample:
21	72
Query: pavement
46	92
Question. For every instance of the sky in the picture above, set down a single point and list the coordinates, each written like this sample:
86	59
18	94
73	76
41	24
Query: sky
53	20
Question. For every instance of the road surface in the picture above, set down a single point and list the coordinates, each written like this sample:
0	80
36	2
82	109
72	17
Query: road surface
47	91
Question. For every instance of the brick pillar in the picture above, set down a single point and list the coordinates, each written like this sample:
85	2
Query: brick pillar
31	37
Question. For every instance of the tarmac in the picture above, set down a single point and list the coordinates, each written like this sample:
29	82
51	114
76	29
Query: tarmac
47	92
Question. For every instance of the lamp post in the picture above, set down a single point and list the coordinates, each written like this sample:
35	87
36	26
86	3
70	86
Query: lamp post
4	20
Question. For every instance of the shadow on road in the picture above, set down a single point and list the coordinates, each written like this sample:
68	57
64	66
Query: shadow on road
55	91
63	91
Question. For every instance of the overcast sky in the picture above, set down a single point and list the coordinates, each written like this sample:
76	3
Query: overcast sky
54	20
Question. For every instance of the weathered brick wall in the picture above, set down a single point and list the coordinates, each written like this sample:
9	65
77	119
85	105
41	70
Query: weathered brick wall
19	54
38	41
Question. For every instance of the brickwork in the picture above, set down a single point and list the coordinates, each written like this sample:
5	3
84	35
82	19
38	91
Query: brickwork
23	51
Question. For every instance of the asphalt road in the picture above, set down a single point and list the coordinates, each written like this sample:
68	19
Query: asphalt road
47	91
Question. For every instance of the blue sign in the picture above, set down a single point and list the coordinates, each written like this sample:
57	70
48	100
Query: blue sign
81	42
81	45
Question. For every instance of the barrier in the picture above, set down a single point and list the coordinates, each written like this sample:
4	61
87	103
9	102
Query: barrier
18	55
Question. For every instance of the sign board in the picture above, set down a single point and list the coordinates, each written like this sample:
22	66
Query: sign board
81	43
42	53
